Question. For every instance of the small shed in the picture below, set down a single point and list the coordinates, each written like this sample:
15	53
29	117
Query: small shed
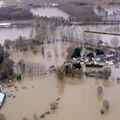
2	98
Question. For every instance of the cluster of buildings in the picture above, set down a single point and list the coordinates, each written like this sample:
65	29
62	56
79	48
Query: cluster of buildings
103	59
95	59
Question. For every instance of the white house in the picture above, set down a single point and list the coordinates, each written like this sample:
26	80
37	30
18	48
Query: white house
2	98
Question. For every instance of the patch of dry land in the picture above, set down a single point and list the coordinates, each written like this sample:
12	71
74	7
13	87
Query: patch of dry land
78	98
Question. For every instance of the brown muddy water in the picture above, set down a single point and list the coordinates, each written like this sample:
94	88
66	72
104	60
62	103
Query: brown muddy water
79	100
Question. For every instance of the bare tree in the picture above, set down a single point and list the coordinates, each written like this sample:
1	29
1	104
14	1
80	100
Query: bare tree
106	105
115	42
100	8
53	31
40	31
99	90
43	50
7	43
69	53
107	72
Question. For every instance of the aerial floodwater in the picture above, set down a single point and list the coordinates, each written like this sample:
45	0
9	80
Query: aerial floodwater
44	53
49	12
78	97
13	33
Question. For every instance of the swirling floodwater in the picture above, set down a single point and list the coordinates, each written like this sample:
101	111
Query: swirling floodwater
78	97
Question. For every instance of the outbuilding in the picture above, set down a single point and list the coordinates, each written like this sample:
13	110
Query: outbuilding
2	99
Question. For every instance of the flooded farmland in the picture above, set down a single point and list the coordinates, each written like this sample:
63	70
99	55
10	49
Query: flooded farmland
13	33
75	31
78	97
49	12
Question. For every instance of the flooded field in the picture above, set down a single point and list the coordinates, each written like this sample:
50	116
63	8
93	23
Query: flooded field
49	12
75	31
78	97
13	33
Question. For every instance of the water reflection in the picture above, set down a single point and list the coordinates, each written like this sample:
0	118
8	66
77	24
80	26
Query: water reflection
100	97
69	81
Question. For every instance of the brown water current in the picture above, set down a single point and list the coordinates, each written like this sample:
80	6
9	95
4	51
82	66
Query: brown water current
79	100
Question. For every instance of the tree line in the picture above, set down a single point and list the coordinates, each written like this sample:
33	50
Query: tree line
83	13
6	65
14	13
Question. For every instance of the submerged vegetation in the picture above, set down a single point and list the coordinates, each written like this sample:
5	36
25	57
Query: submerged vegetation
83	13
100	90
6	65
60	74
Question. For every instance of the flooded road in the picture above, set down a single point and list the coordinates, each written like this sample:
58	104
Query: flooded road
79	98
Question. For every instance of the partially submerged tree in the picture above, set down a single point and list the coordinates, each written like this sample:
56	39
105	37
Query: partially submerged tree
69	53
115	42
52	30
40	31
106	105
100	8
6	65
118	79
43	50
7	43
107	72
77	52
99	90
60	74
21	63
21	44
